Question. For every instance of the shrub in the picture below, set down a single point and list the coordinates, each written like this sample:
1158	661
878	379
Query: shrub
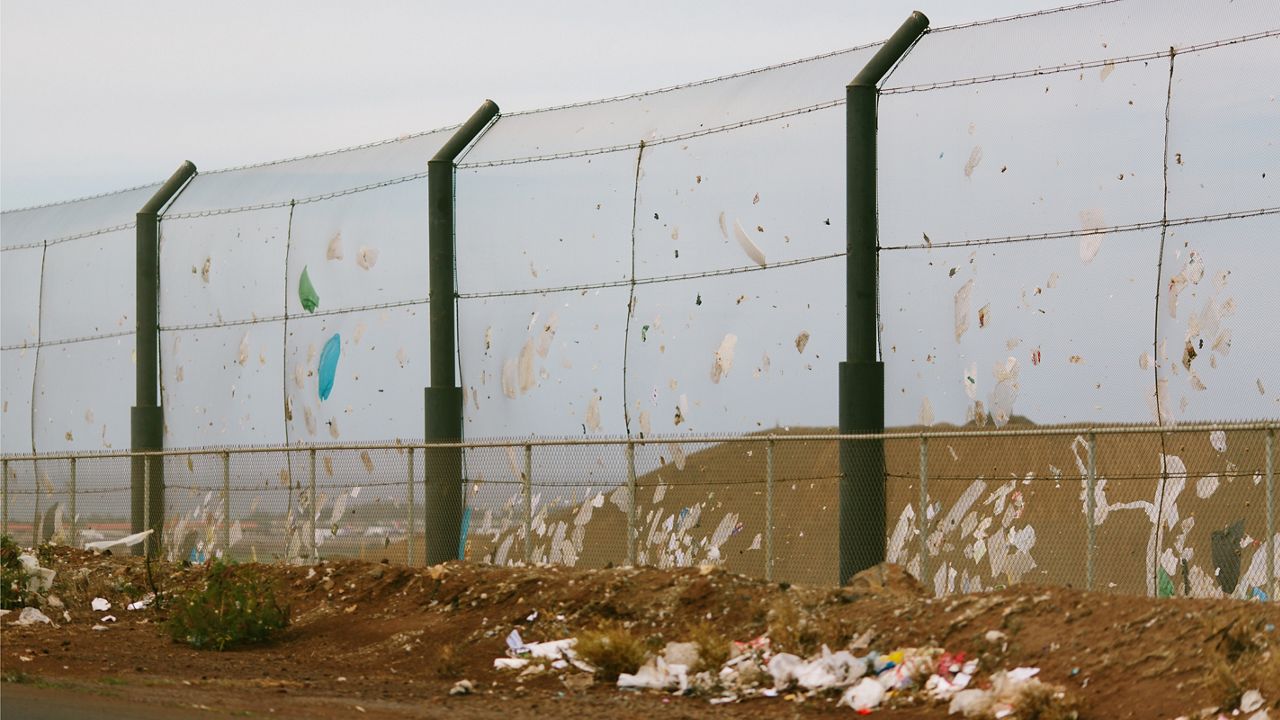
13	577
612	649
235	605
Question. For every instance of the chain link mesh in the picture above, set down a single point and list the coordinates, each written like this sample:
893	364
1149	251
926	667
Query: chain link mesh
1137	510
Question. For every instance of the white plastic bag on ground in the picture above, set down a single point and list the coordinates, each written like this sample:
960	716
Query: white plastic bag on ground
866	695
1251	700
656	674
783	667
972	703
842	666
31	616
39	579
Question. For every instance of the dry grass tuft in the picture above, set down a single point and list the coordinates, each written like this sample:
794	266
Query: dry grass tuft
791	631
612	649
713	647
447	663
1248	658
1039	701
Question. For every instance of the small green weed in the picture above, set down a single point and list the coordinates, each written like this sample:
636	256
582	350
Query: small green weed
13	577
235	605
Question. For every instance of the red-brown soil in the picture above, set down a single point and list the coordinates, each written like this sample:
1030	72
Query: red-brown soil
392	640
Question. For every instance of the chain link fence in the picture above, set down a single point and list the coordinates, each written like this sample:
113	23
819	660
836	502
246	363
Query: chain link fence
1154	511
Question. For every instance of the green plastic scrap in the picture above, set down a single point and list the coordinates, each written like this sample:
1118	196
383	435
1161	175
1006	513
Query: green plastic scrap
307	293
1164	584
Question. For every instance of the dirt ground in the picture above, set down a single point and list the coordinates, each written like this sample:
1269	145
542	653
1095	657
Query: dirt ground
382	640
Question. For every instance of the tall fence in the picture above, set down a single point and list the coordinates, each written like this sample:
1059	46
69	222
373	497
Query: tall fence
1073	207
1101	508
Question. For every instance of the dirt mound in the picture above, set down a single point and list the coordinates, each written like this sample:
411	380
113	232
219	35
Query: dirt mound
888	581
394	640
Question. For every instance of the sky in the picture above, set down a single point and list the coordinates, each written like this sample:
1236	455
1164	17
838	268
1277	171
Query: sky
97	96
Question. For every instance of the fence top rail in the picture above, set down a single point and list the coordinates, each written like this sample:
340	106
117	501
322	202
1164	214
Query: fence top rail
516	442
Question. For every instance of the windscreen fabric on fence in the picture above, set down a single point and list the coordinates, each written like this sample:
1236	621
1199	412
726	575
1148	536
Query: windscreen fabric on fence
1072	205
1074	213
68	307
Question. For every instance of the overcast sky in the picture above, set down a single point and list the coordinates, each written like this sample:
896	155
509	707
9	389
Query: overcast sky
96	96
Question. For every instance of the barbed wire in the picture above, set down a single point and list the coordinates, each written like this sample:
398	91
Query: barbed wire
680	277
651	280
83	198
804	60
1023	16
336	151
66	341
679	137
680	86
616	98
1062	234
66	238
294	316
1070	67
296	201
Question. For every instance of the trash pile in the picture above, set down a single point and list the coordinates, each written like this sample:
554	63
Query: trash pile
907	676
1251	708
25	582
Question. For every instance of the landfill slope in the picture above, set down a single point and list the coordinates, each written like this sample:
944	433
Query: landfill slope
393	640
1181	513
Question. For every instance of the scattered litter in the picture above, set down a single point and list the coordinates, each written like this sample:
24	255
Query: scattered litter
866	695
31	616
723	360
657	674
100	604
39	580
108	618
962	308
553	650
366	257
100	627
1218	439
307	294
750	248
127	541
801	341
1091	220
975	157
462	687
1251	700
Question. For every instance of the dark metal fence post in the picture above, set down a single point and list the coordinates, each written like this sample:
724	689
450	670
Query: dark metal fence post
442	488
146	419
862	491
